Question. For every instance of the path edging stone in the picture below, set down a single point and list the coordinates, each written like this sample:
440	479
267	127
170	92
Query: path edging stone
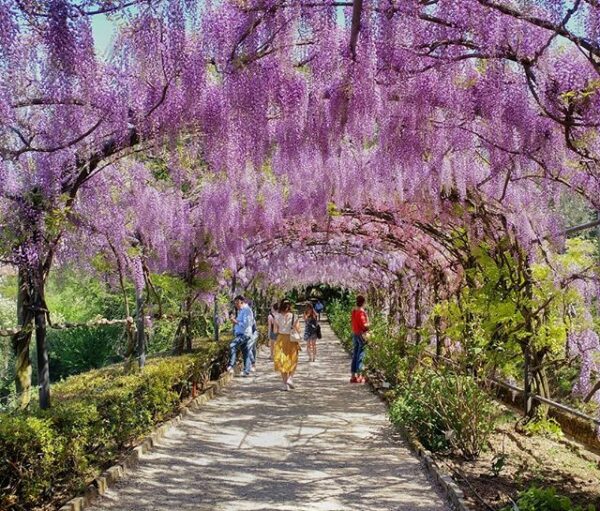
454	495
110	476
452	492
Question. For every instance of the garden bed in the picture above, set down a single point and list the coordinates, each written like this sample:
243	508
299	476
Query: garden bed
527	461
522	461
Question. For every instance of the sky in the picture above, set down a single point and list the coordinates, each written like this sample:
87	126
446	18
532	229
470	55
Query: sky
104	31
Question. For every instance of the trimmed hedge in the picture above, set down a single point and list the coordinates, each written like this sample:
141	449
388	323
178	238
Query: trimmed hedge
49	454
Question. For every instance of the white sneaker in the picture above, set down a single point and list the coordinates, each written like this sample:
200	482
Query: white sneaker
230	370
291	383
285	388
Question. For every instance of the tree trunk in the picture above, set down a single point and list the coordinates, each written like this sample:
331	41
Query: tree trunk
41	329
22	340
526	345
32	311
527	401
179	339
540	385
591	393
188	331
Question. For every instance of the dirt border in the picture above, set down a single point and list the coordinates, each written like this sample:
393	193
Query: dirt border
578	429
109	477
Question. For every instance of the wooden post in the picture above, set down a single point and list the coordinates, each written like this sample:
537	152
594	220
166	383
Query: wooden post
527	382
418	317
437	324
141	334
216	319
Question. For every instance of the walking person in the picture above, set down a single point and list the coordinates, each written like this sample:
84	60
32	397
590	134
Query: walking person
360	327
242	331
311	328
319	308
271	327
287	345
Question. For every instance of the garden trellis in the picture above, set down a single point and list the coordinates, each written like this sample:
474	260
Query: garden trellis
398	137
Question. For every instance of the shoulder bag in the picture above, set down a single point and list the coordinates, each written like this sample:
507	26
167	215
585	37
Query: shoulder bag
294	335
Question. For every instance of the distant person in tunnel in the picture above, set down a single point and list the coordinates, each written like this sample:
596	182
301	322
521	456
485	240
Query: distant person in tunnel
242	331
287	345
360	327
319	308
311	327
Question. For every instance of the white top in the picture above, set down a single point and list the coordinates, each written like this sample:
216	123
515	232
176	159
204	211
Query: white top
284	322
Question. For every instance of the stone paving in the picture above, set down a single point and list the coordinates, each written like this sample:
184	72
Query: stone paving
327	445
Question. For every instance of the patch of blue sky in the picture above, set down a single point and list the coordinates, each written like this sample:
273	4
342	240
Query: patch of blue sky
104	30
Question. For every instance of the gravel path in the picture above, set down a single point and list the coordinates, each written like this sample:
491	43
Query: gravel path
325	446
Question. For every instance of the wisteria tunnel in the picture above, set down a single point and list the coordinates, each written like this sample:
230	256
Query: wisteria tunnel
440	158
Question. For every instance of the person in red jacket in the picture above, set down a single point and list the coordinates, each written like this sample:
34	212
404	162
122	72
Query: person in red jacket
360	326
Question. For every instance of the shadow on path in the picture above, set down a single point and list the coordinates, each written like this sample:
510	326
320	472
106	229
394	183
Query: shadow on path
327	445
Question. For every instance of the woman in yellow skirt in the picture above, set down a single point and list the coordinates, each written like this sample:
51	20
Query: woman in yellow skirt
285	353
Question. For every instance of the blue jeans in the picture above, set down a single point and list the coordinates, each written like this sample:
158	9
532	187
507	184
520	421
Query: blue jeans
252	342
358	353
241	341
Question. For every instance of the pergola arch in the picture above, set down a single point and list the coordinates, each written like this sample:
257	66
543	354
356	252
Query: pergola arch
428	110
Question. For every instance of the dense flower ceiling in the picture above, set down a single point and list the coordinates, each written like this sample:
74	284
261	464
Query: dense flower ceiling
271	120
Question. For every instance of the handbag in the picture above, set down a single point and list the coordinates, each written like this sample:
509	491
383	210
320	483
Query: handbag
294	335
318	331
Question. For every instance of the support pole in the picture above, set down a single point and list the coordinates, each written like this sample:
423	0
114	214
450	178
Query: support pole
527	383
141	334
216	319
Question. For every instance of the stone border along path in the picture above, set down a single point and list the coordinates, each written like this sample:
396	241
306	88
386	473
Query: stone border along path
327	445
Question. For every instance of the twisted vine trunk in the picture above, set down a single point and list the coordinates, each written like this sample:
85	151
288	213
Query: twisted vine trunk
541	385
534	375
21	340
41	329
32	313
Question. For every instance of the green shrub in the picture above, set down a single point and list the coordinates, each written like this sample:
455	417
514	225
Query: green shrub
546	427
544	499
411	411
30	450
80	349
445	411
386	353
8	319
94	415
338	313
161	336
